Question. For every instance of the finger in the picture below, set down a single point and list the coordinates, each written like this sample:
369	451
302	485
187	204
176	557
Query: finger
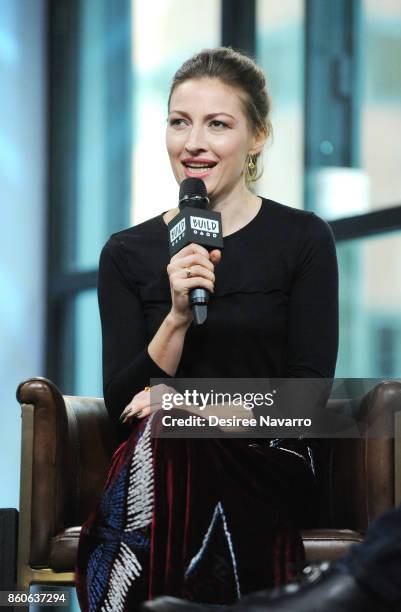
189	249
140	401
215	256
140	414
191	260
184	285
145	403
136	414
147	410
198	271
196	259
126	416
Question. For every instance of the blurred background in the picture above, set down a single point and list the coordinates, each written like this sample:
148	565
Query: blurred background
83	93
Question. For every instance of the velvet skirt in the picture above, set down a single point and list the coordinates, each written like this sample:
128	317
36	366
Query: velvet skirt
208	520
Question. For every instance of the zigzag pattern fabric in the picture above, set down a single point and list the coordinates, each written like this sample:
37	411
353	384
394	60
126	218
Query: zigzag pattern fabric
203	519
125	511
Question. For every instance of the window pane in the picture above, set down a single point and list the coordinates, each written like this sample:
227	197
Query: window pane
343	192
370	307
91	129
88	346
164	34
280	52
381	101
91	126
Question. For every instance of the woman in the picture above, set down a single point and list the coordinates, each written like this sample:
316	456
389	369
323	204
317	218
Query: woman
212	519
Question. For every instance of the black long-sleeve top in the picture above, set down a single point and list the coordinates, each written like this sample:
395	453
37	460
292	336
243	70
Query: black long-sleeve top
274	312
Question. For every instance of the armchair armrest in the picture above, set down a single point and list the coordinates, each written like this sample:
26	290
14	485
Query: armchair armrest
67	443
363	472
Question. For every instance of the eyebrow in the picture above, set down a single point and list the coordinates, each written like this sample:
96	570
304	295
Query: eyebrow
210	116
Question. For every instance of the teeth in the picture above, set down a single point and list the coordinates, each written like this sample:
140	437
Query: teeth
199	165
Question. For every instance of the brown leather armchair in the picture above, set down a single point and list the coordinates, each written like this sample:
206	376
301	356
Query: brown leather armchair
67	443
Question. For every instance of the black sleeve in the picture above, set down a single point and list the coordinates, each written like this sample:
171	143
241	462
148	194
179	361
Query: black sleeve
127	365
312	330
313	308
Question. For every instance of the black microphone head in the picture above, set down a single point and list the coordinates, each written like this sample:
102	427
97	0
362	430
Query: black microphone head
193	186
193	192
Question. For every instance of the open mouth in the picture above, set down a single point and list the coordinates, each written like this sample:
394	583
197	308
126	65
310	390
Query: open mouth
197	168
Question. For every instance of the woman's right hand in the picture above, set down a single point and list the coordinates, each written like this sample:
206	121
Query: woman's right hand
201	263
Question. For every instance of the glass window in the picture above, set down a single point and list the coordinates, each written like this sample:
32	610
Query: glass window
91	114
280	52
163	39
88	345
381	101
370	307
343	192
91	134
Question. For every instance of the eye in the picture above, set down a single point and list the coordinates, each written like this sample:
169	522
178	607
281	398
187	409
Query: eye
177	122
216	123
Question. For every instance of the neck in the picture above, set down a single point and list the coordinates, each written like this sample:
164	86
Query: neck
236	207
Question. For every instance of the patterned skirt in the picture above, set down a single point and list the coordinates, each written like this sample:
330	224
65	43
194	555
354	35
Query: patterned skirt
208	520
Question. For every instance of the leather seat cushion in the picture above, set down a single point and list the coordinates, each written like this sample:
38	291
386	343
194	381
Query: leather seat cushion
320	545
63	550
328	544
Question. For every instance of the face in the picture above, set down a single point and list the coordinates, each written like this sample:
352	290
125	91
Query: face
208	135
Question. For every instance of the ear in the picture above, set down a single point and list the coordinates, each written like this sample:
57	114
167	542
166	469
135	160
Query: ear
258	142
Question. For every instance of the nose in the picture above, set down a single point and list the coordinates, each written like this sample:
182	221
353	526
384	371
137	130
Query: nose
196	141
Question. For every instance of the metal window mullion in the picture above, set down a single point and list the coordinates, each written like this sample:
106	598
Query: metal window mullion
63	53
118	82
369	224
332	85
239	25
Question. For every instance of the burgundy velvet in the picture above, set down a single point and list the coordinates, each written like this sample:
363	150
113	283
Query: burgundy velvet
253	493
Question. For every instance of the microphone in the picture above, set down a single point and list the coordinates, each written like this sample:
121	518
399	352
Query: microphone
195	223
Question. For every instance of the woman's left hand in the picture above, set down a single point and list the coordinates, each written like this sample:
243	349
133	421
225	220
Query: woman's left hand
145	402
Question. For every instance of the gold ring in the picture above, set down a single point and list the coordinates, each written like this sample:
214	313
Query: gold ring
147	389
188	271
